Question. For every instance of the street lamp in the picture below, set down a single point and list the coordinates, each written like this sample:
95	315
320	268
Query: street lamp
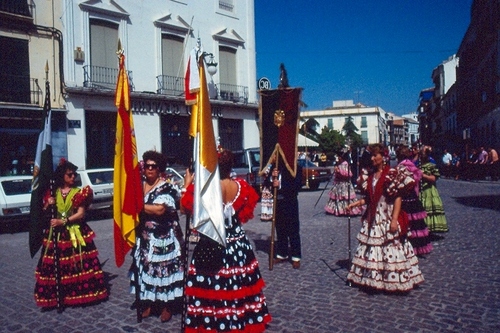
212	70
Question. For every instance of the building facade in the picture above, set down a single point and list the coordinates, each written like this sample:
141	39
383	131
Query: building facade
80	39
157	37
478	77
30	54
370	121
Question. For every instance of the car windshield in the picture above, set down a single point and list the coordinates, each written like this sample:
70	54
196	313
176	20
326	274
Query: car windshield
101	177
255	158
17	186
306	163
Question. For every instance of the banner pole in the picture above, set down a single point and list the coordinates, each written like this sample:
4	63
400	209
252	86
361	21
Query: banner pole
273	223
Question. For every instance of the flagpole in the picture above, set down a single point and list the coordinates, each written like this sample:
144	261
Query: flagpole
53	212
186	267
273	223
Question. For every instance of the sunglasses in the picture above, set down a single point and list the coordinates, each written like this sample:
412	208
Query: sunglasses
72	174
150	166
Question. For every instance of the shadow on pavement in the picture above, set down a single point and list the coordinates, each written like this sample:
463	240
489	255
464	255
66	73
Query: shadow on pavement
482	201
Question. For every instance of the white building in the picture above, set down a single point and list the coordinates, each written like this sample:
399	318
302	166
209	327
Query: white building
413	127
157	36
370	120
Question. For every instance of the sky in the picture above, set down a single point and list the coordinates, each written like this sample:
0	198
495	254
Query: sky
375	52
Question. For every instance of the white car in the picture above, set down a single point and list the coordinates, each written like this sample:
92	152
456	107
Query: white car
15	197
101	183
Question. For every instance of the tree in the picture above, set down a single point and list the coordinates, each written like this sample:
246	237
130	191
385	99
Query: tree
330	141
350	131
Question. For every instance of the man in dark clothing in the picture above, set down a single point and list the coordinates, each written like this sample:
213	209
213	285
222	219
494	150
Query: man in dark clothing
287	215
365	161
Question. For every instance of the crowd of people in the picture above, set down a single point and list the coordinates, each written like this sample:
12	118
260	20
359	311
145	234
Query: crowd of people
475	164
402	212
221	289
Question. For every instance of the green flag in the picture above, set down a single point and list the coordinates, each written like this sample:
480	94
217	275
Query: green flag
42	175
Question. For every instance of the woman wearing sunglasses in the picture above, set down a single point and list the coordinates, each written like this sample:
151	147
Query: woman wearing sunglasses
69	272
158	269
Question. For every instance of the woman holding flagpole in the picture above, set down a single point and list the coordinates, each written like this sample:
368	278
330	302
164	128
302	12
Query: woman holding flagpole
158	249
69	272
224	285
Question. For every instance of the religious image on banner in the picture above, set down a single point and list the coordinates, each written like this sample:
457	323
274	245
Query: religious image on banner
279	126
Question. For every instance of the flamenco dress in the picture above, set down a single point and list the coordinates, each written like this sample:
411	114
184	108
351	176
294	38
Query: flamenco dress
433	205
231	298
342	193
69	258
158	250
418	234
383	260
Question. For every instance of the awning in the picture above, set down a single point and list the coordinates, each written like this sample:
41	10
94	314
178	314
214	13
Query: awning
302	141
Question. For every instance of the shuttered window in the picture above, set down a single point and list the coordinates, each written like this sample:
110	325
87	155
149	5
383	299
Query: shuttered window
172	56
227	65
103	43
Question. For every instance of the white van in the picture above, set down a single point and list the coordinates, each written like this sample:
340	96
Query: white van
101	183
15	197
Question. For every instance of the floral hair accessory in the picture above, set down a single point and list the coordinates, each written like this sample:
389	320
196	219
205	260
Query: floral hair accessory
62	161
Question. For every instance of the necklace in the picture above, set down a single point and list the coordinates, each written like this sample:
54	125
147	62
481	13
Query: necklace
148	187
65	193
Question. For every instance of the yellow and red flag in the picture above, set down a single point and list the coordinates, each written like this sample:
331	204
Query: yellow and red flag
208	217
127	192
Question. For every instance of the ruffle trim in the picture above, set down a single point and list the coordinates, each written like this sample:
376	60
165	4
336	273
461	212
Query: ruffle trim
98	296
249	328
163	296
64	244
417	216
423	249
246	308
82	277
422	233
386	285
159	281
255	289
230	272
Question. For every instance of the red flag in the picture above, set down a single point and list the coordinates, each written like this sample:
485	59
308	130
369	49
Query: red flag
127	193
279	119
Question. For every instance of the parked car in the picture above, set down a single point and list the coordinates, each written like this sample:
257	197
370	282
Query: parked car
247	166
313	173
174	177
101	183
15	197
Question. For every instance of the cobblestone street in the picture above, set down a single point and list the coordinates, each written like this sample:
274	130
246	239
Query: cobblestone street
461	292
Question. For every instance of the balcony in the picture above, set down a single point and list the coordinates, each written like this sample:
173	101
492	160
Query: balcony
103	77
16	7
20	89
170	85
233	93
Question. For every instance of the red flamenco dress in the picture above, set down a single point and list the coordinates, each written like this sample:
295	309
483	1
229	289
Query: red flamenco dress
229	299
69	259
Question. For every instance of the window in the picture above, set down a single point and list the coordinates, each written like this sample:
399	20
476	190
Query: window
330	123
226	5
227	65
103	43
172	57
14	70
363	122
364	137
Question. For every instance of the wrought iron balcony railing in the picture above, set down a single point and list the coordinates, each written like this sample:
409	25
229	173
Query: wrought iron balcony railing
20	89
234	93
170	85
23	8
103	77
